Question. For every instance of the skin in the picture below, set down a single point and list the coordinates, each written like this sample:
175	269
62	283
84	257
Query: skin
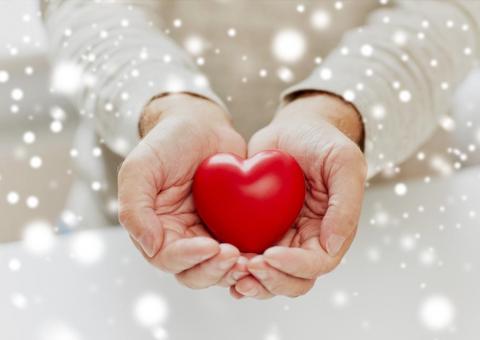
155	200
323	133
320	130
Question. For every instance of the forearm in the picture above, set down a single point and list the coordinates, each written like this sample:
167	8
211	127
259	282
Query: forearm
400	72
122	52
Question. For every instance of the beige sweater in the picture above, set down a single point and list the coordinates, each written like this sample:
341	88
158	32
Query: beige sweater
399	69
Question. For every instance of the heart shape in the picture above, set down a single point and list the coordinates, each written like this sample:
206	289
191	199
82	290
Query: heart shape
249	203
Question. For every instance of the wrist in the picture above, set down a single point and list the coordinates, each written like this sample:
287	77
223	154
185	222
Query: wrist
330	108
182	105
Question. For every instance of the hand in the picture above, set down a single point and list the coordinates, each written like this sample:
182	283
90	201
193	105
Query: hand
155	200
322	133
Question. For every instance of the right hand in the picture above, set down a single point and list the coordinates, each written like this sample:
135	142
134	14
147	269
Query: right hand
154	187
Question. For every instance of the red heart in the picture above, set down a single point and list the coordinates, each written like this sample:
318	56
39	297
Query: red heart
249	203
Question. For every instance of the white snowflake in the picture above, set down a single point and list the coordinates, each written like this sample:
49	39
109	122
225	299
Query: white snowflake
401	189
38	237
437	312
13	197
150	310
29	137
4	76
320	19
289	45
87	247
14	264
17	94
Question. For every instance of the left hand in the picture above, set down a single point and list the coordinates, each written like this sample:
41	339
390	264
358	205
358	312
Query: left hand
322	132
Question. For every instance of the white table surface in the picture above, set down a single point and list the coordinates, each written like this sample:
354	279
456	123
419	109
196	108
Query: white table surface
404	278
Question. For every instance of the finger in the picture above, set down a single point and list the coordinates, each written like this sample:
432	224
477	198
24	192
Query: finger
249	286
185	253
210	272
137	189
262	140
277	282
345	181
299	262
238	271
236	295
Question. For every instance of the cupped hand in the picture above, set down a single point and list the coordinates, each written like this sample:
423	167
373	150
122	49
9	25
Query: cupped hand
155	202
323	133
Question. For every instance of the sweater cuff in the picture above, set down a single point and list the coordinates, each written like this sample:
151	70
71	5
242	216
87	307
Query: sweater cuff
373	98
120	131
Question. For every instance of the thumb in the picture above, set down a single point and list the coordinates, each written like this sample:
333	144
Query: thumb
263	139
346	172
137	191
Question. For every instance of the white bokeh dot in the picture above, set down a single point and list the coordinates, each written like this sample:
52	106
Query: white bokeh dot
13	197
14	264
437	312
177	23
320	19
194	45
17	94
19	300
366	50
4	76
96	186
56	126
349	95
285	74
427	256
300	8
400	38
400	189
96	152
160	333
66	78
405	96
87	247
340	299
36	162
378	111
38	237
58	113
32	202
29	137
150	310
288	45
325	73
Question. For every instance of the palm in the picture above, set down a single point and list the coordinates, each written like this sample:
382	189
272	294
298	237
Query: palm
173	171
310	146
310	218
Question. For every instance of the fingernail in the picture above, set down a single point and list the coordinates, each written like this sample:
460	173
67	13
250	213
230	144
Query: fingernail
260	274
242	260
334	244
251	292
146	242
227	263
238	275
